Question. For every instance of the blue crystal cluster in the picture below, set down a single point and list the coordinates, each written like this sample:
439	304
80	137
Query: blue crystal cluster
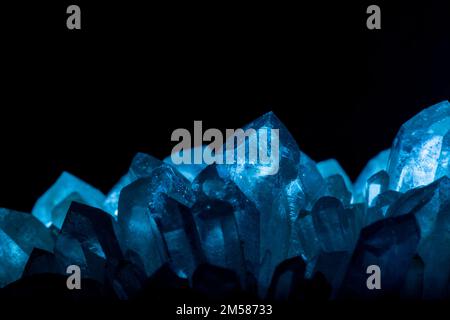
275	233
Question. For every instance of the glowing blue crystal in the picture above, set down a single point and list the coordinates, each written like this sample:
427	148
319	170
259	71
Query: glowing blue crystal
138	232
376	164
155	222
242	225
209	185
376	184
278	197
52	206
421	151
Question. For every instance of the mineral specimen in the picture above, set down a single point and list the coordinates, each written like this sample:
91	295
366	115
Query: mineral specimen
302	232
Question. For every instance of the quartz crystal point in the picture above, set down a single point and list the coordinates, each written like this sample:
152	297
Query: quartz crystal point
52	206
278	197
141	166
19	234
209	185
376	184
420	152
376	164
155	222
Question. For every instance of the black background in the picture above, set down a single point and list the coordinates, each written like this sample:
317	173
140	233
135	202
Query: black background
86	101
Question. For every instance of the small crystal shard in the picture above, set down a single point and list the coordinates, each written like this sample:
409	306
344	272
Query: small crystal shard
376	164
376	184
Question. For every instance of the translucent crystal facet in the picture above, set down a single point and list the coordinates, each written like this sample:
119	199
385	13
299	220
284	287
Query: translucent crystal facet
420	152
376	164
52	206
